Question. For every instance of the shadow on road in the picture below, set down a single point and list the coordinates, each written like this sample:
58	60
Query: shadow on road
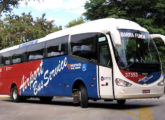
99	104
119	107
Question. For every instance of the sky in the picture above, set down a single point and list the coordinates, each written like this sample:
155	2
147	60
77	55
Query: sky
61	11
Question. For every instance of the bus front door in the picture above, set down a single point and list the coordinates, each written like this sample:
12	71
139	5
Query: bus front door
105	71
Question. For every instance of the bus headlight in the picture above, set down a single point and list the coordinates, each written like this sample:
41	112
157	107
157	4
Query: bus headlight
161	83
123	83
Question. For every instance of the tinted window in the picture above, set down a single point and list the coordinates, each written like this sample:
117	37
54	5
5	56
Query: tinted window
16	59
6	58
36	51
18	55
84	45
104	55
1	61
58	46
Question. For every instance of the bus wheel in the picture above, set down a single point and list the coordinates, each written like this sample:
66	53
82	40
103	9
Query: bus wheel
121	102
14	94
45	99
83	97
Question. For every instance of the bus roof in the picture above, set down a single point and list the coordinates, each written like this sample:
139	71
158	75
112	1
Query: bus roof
101	25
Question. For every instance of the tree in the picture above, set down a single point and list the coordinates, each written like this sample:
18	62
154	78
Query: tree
8	5
75	22
18	29
96	9
148	13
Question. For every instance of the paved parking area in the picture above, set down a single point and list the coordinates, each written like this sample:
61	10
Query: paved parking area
63	109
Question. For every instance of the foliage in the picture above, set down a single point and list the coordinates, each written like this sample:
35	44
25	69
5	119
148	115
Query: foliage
148	13
75	22
17	29
8	5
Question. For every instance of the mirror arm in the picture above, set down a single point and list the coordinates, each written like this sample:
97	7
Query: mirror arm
154	36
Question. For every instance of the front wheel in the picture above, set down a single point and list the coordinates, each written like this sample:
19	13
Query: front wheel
83	97
14	94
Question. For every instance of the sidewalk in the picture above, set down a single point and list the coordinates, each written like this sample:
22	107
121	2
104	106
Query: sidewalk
4	96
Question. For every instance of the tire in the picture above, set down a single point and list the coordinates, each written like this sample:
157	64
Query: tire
121	102
46	99
83	96
14	94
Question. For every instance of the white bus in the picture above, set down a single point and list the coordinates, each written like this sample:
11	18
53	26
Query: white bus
109	59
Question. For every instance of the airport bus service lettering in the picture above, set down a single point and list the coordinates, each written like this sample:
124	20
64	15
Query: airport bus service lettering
32	82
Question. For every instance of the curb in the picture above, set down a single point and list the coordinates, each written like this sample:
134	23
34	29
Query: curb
4	96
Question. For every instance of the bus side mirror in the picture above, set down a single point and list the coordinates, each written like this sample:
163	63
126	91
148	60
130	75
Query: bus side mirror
154	36
116	36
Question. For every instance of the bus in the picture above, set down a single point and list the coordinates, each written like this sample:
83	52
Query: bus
108	59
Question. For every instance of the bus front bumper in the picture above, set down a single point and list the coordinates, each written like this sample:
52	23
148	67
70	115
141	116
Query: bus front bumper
139	92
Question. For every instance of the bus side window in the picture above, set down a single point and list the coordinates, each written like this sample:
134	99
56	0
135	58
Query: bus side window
18	55
84	45
35	52
16	59
104	52
6	58
57	46
64	48
52	51
6	61
1	64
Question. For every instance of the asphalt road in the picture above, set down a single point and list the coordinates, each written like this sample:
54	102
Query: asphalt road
63	109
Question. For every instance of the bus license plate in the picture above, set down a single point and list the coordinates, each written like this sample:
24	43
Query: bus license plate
145	91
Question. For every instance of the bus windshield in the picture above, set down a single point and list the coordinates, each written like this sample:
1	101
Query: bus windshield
137	52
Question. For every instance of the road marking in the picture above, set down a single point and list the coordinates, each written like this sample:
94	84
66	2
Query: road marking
144	114
130	113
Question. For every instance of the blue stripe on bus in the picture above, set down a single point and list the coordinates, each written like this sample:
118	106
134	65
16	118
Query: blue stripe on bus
28	43
154	76
58	76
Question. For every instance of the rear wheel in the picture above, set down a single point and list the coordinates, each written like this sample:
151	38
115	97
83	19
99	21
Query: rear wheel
14	94
83	97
